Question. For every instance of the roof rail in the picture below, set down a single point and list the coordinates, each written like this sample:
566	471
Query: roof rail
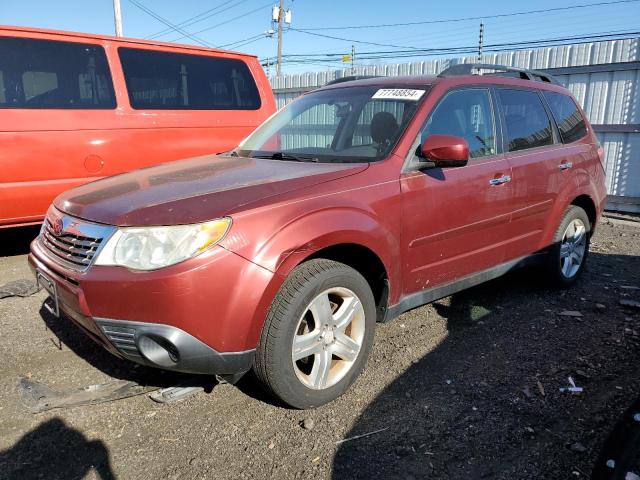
467	69
350	78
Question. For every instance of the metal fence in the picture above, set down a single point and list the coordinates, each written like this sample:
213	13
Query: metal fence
603	76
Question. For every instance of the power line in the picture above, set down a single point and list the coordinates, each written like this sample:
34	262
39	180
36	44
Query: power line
200	17
228	21
151	13
496	47
482	17
247	43
362	42
243	40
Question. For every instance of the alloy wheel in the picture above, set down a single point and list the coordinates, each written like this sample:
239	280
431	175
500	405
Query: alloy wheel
573	248
328	338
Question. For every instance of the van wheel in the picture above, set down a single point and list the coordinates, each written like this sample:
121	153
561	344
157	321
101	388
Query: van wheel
568	254
317	335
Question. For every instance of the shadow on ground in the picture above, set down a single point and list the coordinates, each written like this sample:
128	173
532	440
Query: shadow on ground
16	240
473	407
53	450
70	336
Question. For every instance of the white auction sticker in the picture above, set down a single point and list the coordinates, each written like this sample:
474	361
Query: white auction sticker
398	94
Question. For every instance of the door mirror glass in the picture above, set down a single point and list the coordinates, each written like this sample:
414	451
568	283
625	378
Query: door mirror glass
445	151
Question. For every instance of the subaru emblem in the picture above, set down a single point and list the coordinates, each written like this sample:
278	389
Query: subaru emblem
57	227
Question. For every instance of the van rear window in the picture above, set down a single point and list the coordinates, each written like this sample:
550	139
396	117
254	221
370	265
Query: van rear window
51	74
173	81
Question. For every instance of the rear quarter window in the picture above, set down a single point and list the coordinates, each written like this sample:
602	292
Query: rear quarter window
173	81
47	74
526	120
570	122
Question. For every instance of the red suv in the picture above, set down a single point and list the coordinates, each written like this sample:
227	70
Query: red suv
353	204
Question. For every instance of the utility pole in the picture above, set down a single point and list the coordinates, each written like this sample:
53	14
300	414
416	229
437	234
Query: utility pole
480	42
117	16
280	24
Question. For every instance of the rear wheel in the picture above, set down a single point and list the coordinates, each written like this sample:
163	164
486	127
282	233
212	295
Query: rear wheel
317	335
568	254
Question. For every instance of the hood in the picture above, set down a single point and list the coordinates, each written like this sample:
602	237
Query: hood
193	190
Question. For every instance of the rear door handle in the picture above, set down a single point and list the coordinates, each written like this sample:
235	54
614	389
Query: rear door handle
500	180
565	166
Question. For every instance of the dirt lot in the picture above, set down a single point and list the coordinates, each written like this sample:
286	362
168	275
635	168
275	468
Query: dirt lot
465	388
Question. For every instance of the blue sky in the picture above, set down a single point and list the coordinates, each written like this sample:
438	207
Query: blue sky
96	16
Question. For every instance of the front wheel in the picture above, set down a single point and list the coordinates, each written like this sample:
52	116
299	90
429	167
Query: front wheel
568	254
317	335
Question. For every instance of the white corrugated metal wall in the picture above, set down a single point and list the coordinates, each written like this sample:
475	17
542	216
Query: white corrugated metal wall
603	76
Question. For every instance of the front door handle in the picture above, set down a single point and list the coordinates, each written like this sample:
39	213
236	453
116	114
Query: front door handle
500	180
565	166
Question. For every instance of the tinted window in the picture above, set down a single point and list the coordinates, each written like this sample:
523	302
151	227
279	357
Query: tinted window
527	122
51	74
173	81
568	118
466	114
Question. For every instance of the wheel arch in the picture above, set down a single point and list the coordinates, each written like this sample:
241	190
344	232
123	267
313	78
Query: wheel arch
588	205
580	195
366	262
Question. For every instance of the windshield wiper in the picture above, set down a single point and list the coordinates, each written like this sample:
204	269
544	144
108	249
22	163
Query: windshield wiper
286	156
229	153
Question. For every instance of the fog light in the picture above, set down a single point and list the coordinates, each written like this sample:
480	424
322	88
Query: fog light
158	350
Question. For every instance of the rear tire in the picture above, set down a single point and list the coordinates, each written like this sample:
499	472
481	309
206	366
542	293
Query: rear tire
317	335
568	254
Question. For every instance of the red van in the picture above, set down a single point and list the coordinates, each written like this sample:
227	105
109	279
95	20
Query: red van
76	107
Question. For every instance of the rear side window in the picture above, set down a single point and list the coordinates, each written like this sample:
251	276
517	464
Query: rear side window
568	118
527	122
174	81
49	74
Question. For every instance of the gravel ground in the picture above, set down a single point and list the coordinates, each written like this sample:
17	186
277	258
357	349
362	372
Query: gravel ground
467	387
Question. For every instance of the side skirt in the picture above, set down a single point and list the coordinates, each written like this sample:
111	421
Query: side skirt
418	299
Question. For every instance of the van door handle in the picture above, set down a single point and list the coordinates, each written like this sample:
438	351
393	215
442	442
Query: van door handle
500	180
565	166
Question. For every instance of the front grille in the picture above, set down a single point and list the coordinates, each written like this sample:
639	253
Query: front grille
72	249
122	338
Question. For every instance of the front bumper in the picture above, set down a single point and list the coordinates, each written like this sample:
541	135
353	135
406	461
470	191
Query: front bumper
170	348
203	316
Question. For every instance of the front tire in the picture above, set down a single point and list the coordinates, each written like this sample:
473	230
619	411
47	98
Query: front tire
568	254
317	335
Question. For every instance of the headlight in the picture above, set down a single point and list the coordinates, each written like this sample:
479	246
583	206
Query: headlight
149	248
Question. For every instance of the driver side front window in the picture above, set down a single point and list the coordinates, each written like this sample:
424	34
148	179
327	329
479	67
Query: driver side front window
467	114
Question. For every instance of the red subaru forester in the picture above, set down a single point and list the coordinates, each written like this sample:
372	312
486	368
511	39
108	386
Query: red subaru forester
356	202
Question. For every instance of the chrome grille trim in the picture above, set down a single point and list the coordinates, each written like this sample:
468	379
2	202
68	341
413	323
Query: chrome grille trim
78	243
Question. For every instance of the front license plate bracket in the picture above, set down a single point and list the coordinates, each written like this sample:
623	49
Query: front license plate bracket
50	286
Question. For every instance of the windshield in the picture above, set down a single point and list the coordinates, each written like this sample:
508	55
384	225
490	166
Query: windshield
351	124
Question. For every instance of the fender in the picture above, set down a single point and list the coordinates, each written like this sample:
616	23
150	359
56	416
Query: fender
581	183
325	228
320	229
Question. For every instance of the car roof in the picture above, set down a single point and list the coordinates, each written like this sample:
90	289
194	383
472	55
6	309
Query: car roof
37	32
409	81
454	80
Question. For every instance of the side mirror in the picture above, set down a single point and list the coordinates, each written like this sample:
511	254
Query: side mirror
445	151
